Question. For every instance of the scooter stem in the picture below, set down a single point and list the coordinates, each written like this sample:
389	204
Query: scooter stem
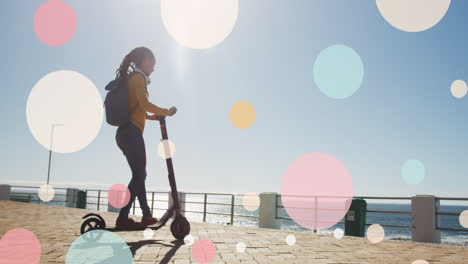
170	167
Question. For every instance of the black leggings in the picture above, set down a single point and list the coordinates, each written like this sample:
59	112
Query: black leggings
130	141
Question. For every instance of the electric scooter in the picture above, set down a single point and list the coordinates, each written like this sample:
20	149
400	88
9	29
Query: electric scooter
180	227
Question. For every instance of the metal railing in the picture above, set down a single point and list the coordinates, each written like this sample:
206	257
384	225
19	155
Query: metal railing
29	196
448	214
204	212
230	212
355	197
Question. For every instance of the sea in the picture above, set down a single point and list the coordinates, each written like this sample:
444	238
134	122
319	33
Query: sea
219	209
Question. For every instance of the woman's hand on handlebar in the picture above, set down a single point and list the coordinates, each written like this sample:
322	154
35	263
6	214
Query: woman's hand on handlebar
172	111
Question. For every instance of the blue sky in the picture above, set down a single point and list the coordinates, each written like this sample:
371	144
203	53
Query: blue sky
403	110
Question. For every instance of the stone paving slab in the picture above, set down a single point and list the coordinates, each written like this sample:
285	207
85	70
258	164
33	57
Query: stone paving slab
57	228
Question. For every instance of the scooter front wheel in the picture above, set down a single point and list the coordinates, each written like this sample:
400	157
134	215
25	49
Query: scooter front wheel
180	227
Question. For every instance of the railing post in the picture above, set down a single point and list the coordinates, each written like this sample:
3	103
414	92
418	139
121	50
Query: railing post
5	191
98	199
316	214
152	202
204	207
72	197
232	208
267	211
424	219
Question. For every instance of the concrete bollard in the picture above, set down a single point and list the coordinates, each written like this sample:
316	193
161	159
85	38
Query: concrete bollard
111	208
72	197
5	191
181	201
267	211
425	219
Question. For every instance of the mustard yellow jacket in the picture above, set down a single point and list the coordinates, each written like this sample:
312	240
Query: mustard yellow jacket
138	103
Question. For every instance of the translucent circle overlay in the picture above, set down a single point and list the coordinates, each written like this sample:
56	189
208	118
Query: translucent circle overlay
458	88
464	219
64	111
166	149
412	171
291	240
338	71
240	247
251	201
199	24
188	240
19	246
338	233
118	195
99	246
148	233
375	233
203	251
413	15
419	261
46	193
316	190
55	23
242	115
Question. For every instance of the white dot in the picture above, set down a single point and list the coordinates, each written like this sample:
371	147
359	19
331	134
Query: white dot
464	219
291	240
251	201
188	240
413	15
241	247
166	149
375	233
338	233
199	24
419	261
46	192
64	111
148	233
459	88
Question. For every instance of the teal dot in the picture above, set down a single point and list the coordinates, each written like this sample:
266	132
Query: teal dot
338	71
99	246
412	171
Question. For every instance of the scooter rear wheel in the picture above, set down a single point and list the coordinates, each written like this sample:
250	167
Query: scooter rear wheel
180	227
91	224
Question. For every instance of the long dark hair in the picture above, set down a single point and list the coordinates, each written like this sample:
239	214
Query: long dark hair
135	57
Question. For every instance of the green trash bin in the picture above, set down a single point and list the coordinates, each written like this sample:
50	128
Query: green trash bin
355	219
81	201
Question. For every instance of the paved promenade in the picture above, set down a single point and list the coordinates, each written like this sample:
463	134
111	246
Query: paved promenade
58	227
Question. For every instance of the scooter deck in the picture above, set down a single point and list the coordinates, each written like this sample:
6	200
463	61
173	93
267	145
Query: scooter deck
141	227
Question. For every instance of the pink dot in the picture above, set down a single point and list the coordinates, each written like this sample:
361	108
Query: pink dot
55	23
118	195
19	246
203	251
316	191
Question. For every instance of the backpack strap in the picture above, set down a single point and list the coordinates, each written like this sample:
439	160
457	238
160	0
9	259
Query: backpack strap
146	88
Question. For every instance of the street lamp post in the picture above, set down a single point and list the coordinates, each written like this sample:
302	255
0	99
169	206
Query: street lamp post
50	150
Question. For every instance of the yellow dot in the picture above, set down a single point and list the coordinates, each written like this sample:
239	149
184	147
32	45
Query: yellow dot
251	201
242	115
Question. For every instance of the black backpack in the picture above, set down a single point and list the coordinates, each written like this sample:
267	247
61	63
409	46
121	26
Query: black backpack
116	102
